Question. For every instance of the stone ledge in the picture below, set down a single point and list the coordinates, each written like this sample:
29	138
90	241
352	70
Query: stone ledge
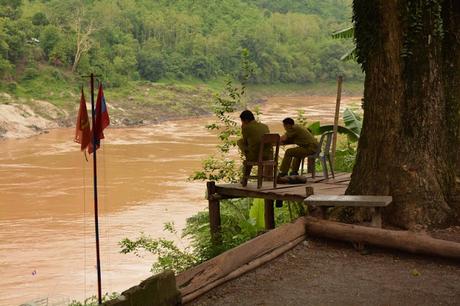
157	290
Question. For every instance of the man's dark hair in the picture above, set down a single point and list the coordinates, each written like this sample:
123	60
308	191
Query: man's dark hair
288	121
247	115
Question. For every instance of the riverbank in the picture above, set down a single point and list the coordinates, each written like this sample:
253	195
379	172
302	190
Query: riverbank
137	103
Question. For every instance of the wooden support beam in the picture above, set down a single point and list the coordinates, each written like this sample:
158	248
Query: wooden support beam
243	269
220	266
269	214
214	213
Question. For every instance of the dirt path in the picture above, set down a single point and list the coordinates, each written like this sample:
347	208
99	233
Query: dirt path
321	272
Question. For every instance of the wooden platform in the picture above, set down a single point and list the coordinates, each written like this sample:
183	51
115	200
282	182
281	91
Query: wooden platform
283	192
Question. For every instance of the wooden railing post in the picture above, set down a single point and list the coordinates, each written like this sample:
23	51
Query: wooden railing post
214	212
269	214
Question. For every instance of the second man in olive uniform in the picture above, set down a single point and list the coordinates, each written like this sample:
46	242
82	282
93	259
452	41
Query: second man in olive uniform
306	145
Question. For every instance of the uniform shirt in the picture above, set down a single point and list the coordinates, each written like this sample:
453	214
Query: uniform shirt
252	134
301	136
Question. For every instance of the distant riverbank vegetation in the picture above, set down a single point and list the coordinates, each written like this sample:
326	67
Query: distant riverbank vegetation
45	45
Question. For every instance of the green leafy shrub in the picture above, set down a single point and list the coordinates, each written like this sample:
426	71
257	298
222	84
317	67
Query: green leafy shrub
92	301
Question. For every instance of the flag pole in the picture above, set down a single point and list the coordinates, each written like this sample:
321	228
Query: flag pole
96	218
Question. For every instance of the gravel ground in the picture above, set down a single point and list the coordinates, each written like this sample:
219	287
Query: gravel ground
320	272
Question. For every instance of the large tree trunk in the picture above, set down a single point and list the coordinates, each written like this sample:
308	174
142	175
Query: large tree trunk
409	50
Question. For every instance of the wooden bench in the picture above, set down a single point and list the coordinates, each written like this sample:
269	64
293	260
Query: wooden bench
373	202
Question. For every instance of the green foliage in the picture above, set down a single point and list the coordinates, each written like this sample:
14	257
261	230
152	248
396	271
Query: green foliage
169	255
345	158
92	301
151	66
218	169
50	36
40	19
288	41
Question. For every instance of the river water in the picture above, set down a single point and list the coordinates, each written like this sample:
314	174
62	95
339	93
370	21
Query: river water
46	206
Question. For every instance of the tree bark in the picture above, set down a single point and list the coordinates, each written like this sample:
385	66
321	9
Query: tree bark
410	137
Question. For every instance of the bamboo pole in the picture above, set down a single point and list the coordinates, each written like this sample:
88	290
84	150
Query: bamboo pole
336	117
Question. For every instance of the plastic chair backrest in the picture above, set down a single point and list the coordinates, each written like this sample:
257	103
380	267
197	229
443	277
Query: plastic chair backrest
327	146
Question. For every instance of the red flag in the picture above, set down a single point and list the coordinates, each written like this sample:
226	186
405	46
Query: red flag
82	131
102	120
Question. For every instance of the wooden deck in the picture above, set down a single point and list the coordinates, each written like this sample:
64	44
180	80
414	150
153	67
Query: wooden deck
293	192
283	192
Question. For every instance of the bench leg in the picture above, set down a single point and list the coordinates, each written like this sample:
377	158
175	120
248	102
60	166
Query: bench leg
324	165
376	217
324	212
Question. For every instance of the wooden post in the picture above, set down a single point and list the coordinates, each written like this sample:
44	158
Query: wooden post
269	214
336	118
214	212
308	191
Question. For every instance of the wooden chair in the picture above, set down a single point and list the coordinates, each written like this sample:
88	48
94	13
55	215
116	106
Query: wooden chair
323	154
267	140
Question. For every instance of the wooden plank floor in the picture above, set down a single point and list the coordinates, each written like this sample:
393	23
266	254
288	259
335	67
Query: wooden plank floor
293	192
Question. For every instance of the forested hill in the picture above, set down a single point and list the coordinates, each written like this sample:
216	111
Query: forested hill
122	40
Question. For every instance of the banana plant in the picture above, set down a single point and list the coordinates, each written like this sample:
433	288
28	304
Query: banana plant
352	128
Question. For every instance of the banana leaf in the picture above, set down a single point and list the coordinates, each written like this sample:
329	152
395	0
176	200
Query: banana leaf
348	33
344	33
257	212
349	56
352	136
352	121
315	128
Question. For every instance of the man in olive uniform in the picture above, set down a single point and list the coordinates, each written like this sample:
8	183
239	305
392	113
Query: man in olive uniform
306	145
250	143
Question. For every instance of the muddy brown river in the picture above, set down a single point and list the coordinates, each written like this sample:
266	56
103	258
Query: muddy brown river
46	201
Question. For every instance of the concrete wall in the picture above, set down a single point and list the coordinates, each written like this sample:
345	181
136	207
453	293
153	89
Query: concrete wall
158	290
